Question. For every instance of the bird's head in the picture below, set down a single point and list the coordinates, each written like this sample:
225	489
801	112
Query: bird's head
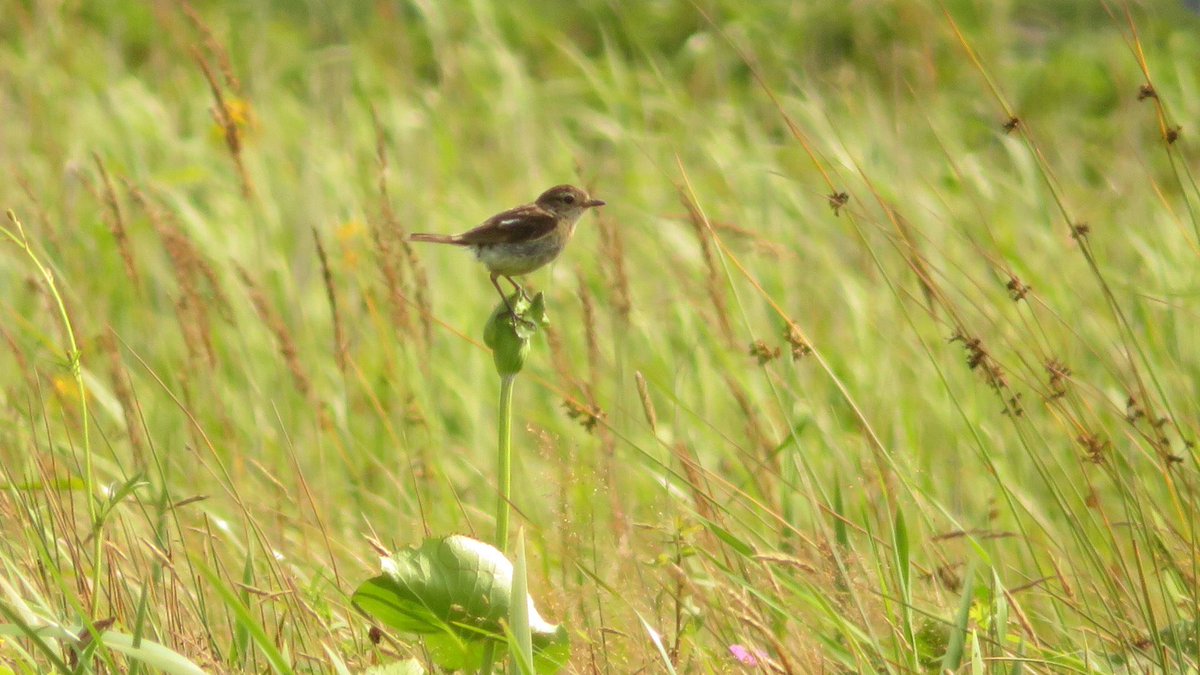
567	201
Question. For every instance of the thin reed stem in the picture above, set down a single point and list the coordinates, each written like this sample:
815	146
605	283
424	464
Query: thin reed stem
73	362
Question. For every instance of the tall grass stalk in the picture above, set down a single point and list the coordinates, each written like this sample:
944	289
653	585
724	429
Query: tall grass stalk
973	228
73	359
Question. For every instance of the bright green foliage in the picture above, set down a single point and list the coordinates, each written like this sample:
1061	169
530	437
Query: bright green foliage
509	336
455	591
932	641
859	259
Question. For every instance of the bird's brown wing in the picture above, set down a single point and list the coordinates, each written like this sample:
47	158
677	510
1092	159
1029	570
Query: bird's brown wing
524	223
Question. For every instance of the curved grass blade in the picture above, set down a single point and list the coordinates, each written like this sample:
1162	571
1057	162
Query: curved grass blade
243	617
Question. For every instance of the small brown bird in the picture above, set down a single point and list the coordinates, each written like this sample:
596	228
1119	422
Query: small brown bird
522	239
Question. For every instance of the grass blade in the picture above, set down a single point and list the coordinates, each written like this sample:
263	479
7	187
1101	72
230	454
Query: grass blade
518	611
242	615
958	635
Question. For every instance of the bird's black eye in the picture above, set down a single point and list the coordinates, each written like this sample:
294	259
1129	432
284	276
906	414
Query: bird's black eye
568	199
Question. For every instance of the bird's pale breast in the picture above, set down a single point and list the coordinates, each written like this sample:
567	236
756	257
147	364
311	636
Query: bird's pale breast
513	259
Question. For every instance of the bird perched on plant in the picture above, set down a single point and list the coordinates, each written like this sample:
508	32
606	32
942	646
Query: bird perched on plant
522	239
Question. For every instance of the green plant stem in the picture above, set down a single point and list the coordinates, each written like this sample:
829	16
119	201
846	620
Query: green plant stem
504	496
504	461
489	657
73	360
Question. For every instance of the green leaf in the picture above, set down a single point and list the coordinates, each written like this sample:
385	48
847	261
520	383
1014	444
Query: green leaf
976	656
118	494
245	618
509	337
658	644
726	536
518	612
339	666
241	636
151	653
904	572
452	652
456	591
839	521
56	484
958	635
1000	612
1018	667
900	534
537	311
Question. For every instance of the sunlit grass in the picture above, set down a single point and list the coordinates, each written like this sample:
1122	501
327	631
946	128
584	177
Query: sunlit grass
947	418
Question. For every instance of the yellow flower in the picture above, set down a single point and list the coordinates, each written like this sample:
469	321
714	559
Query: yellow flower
66	389
64	385
348	230
345	234
241	113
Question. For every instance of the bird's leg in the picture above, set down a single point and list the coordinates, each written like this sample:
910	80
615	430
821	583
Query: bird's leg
517	287
512	312
503	297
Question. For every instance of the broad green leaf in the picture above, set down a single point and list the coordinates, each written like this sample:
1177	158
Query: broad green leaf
452	652
456	591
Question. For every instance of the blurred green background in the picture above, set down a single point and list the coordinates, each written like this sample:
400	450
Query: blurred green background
952	412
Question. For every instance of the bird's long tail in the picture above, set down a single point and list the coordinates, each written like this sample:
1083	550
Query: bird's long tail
436	238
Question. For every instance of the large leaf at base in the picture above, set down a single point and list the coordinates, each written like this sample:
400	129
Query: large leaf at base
456	591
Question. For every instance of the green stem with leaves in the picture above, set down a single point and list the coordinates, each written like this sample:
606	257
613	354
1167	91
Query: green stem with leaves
73	362
508	337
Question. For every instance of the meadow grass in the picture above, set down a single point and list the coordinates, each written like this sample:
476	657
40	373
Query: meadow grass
883	356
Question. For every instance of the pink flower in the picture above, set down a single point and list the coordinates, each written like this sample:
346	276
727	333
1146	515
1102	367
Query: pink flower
744	656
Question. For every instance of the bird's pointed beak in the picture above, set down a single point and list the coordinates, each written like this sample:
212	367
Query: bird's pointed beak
593	203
